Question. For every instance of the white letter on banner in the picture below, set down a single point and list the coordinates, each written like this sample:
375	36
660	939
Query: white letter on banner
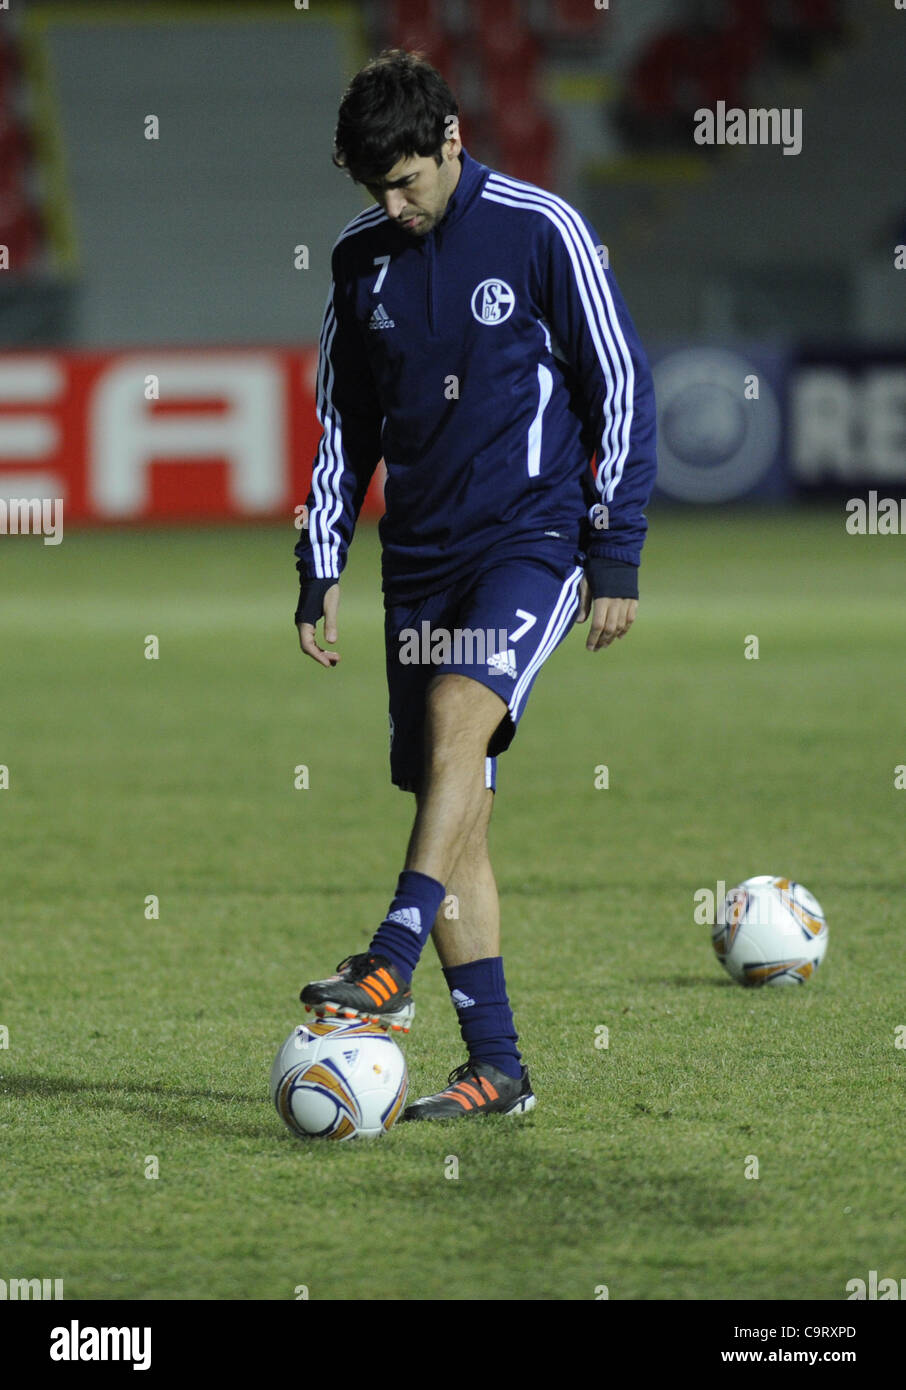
126	433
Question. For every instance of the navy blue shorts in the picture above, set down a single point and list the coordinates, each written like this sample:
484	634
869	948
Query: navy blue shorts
498	626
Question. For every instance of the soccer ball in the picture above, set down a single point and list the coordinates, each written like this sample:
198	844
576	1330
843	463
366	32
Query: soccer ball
770	931
339	1080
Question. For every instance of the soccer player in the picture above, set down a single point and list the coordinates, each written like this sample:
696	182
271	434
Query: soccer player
474	340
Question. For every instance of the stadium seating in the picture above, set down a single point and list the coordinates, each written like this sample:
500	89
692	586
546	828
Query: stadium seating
490	51
21	228
692	63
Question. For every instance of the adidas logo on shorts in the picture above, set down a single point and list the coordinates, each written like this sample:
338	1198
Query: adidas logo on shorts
504	662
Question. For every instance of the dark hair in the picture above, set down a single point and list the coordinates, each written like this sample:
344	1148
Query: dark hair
395	108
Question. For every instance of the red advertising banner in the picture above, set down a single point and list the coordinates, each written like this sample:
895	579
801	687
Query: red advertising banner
163	434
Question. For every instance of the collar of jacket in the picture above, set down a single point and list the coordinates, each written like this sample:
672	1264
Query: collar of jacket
471	181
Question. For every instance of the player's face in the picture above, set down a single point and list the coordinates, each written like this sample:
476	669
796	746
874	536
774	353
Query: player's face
415	192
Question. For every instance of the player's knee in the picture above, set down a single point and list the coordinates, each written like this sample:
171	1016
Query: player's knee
451	708
461	716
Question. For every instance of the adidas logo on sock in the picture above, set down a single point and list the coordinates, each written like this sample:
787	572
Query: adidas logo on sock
461	999
504	662
407	917
381	319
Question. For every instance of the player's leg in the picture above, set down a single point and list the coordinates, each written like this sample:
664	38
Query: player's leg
467	927
440	728
462	715
467	939
534	601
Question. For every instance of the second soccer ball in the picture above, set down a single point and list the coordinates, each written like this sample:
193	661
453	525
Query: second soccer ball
770	931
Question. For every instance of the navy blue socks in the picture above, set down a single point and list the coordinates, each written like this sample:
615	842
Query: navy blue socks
478	992
477	989
402	935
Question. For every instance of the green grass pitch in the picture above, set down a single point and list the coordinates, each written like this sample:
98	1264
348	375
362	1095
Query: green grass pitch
131	1038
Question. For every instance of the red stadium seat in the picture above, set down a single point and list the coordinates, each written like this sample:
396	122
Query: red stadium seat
424	35
532	166
528	142
720	71
12	178
680	71
14	144
490	14
20	222
441	53
401	15
520	52
748	23
502	36
9	55
13	204
19	230
509	89
497	33
419	29
651	83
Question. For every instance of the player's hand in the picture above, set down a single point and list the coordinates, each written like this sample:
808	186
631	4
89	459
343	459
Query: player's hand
610	617
307	639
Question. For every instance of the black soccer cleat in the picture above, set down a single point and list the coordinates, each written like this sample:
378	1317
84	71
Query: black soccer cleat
366	987
475	1088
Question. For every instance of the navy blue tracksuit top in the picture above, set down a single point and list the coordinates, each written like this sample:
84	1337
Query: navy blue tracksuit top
486	362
